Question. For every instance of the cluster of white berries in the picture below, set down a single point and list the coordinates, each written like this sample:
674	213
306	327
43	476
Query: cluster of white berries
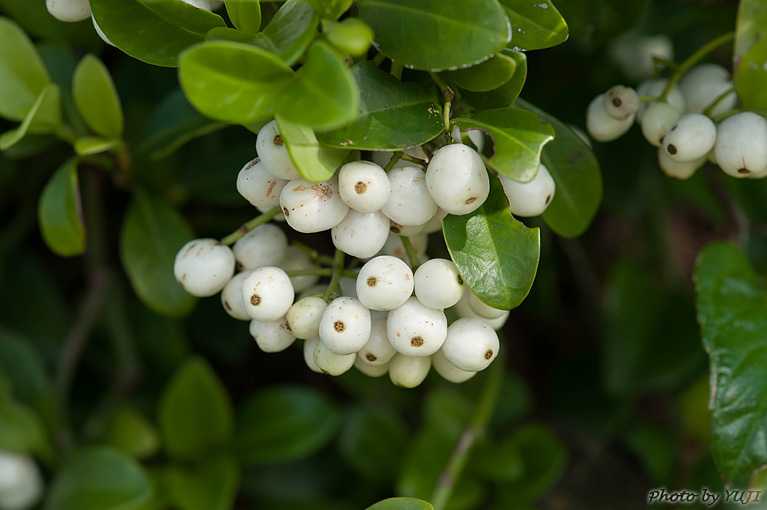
680	123
21	485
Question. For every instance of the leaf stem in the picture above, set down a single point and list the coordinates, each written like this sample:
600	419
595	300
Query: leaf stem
694	59
393	160
657	62
411	254
411	159
250	225
449	95
317	257
338	267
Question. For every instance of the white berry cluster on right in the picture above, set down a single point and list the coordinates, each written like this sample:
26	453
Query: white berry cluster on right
691	122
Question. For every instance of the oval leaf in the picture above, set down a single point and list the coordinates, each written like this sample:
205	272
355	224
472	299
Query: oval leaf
23	73
392	116
151	235
100	479
245	14
497	256
130	432
314	161
488	75
518	139
323	94
20	428
96	98
402	504
576	173
505	95
233	82
290	31
284	423
195	414
450	33
88	145
60	212
535	25
44	117
750	54
211	485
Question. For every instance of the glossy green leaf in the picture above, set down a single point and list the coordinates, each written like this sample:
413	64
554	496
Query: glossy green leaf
352	36
96	98
393	115
323	94
518	139
330	9
401	504
233	82
750	54
174	123
20	428
534	25
195	413
146	34
23	74
372	440
314	161
576	173
496	255
99	478
131	433
44	117
89	145
290	31
245	14
211	485
486	76
732	313
284	423
505	95
437	34
60	214
151	235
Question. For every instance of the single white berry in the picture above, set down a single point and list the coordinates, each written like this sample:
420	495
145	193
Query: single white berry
741	145
312	207
457	179
654	88
409	201
409	371
203	267
464	310
265	245
259	186
384	283
416	330
21	485
381	158
364	186
273	152
678	169
471	344
69	10
378	350
273	336
305	315
231	297
475	135
309	347
267	293
101	32
658	121
483	310
703	84
437	284
371	370
395	248
435	223
345	326
447	370
296	259
361	234
635	53
691	138
601	126
530	198
331	363
621	102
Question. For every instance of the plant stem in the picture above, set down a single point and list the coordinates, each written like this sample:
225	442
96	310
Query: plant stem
396	70
247	227
475	430
718	100
411	159
411	254
448	94
657	62
338	267
321	271
694	59
393	160
317	257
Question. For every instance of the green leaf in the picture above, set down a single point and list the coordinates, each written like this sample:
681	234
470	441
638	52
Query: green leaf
402	504
314	161
44	117
99	478
131	433
146	34
576	173
60	212
195	413
497	460
331	9
505	95
497	256
534	25
750	54
518	139
233	82
211	485
245	14
352	36
23	74
151	235
732	313
437	34
322	95
372	440
393	115
486	76
284	423
89	145
290	31
20	428
96	98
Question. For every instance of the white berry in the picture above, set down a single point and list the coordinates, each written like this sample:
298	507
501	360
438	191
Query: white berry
21	485
416	330
601	126
312	207
384	283
409	371
409	201
231	297
405	230
464	310
457	179
361	234
530	198
381	158
621	102
305	315
741	145
203	267
435	223
267	293
259	186
345	326
378	350
705	83
654	88
296	259
273	336
309	347
371	370
265	245
658	121
69	10
331	363
438	284
364	186
690	138
475	135
273	152
447	370
483	310
471	344
678	169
